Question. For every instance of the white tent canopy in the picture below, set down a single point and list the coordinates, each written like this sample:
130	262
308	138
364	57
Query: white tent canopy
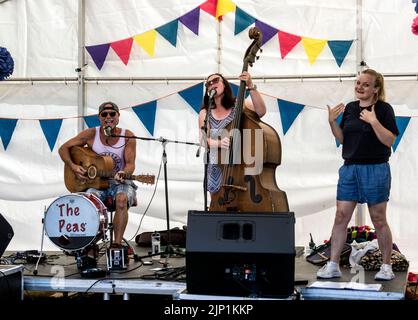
47	40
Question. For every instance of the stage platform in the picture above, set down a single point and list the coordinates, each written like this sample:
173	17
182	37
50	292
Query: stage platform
59	274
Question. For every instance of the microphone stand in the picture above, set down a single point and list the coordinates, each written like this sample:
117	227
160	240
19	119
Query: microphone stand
204	141
169	248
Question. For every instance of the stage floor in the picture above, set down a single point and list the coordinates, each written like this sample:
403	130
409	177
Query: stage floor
59	274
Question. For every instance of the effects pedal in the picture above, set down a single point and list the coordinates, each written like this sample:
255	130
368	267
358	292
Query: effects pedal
117	258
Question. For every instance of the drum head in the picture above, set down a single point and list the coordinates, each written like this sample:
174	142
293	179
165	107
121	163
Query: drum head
72	222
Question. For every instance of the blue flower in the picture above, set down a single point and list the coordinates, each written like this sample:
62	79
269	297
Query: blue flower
6	63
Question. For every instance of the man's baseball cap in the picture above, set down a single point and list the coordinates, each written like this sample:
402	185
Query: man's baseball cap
108	106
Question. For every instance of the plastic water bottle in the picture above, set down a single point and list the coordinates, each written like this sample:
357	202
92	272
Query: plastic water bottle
156	245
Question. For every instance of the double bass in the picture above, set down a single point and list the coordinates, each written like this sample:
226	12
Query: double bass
250	187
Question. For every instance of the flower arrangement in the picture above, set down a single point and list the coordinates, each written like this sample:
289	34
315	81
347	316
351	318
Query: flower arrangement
360	234
414	26
6	63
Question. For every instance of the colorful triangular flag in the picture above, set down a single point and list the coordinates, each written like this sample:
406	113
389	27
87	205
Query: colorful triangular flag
169	31
339	49
267	31
193	96
191	20
146	113
7	127
242	20
146	41
288	113
313	47
98	53
287	42
209	7
51	128
401	123
92	121
224	7
123	49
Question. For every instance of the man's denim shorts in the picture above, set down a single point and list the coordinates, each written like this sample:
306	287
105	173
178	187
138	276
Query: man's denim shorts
127	187
364	183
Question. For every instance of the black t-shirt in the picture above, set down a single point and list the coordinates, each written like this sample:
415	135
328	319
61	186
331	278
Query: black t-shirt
361	145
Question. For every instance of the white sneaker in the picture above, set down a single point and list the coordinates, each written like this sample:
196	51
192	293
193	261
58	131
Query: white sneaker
385	273
328	271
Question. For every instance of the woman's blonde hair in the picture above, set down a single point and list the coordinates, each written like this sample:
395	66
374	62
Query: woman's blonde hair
379	83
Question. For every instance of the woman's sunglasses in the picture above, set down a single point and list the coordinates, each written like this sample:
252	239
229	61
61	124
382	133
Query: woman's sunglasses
104	114
213	81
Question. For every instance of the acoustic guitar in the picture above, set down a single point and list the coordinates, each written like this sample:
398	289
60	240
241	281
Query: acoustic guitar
99	171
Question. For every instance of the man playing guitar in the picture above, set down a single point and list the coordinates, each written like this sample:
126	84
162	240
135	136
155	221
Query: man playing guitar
123	152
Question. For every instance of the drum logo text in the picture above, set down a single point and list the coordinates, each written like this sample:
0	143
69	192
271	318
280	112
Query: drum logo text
68	211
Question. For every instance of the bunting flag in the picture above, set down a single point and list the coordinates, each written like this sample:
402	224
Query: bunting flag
268	31
339	49
7	127
209	7
193	96
313	47
123	49
288	113
146	41
287	42
169	31
92	121
401	123
242	20
235	89
51	128
191	20
224	7
339	119
98	53
217	8
146	113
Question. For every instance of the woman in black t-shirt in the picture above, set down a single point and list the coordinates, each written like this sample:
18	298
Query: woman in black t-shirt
367	131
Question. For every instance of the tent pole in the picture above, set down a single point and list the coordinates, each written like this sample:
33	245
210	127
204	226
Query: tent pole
360	218
81	91
219	49
359	32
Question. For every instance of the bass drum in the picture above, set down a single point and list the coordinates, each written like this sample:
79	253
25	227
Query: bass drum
74	221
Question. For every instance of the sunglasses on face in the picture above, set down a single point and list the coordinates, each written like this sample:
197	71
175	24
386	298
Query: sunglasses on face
111	114
213	81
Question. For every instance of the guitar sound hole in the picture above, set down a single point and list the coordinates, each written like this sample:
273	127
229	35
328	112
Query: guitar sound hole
92	172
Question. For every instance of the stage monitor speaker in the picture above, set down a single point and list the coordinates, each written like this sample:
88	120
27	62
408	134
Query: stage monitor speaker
6	234
240	254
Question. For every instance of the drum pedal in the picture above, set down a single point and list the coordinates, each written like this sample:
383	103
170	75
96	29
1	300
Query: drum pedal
117	258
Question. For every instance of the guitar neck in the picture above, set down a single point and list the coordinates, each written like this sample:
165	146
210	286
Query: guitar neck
110	175
126	176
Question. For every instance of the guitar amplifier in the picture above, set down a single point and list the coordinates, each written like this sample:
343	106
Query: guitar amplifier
240	254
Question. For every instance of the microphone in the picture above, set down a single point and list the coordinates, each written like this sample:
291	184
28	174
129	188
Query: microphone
107	130
198	152
212	93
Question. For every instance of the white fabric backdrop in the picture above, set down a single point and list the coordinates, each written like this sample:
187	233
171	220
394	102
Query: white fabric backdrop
42	37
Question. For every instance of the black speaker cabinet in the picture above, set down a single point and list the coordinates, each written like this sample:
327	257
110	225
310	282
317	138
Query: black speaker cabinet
6	234
240	254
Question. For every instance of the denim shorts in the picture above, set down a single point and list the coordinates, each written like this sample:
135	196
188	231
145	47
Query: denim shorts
364	183
127	187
